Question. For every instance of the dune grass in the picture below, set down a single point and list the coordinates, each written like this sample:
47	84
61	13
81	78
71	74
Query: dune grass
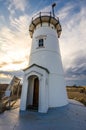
77	93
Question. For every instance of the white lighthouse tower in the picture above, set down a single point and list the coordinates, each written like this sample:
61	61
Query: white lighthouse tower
44	84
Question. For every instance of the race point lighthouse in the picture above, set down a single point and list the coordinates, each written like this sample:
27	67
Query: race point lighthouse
43	83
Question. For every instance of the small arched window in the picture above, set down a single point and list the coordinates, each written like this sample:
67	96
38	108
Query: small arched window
41	43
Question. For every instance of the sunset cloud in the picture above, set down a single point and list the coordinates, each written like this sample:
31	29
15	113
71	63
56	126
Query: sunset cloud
15	41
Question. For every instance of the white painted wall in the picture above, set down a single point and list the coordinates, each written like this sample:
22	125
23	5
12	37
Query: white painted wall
49	56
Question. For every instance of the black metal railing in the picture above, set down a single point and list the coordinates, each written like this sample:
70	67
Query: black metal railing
40	14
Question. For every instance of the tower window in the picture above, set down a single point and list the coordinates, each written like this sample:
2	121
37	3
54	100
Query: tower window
41	42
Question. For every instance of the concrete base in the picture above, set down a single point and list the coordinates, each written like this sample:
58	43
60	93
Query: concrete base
70	117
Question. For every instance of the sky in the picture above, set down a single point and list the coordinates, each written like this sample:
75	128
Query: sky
15	41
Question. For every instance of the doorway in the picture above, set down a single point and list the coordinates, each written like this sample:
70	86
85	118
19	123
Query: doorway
36	93
33	93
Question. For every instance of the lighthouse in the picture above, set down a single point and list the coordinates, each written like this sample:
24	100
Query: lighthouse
43	83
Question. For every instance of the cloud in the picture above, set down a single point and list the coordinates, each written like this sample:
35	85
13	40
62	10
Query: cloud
6	76
17	5
73	38
72	43
2	64
78	69
15	42
64	12
45	9
2	18
12	73
76	73
17	62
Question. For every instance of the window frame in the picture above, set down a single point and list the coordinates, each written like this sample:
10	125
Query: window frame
41	42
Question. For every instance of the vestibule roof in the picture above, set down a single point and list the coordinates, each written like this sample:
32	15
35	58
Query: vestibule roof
36	66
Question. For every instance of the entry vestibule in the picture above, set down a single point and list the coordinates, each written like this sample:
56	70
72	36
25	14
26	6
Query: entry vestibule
35	89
